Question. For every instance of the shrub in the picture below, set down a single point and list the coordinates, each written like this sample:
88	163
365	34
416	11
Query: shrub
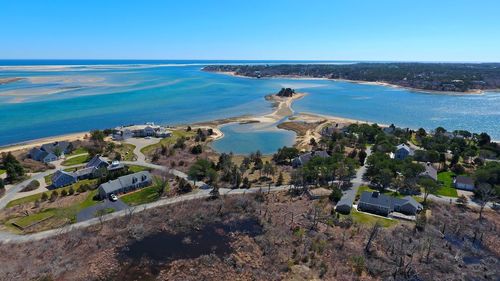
34	184
44	197
53	196
71	191
64	192
335	195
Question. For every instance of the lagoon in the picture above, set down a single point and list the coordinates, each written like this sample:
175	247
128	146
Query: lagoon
60	97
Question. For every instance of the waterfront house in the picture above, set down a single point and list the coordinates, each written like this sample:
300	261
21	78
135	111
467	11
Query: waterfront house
329	130
430	171
306	157
97	162
139	131
125	184
464	182
381	204
50	152
42	156
403	151
62	178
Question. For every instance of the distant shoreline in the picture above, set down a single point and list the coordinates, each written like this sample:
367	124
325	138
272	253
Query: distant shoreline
361	82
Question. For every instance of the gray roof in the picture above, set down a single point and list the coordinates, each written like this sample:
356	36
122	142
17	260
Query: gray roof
125	181
464	180
405	147
38	154
61	174
304	158
375	198
430	171
51	147
96	161
84	171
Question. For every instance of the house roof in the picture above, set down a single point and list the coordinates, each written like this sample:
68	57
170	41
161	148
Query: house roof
304	158
96	161
405	147
62	174
430	171
375	198
464	180
125	181
84	171
52	147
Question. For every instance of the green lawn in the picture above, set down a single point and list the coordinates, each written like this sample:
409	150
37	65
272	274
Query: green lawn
369	219
34	197
126	150
167	141
137	168
76	160
2	171
61	213
26	221
143	196
80	150
447	188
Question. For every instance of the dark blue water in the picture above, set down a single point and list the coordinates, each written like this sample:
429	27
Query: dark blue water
60	97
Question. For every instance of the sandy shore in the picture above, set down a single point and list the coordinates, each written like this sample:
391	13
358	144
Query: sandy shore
39	142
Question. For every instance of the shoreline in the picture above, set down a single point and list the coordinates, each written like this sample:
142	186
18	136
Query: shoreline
38	142
373	83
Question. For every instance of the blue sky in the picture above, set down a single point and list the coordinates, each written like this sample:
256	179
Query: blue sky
418	30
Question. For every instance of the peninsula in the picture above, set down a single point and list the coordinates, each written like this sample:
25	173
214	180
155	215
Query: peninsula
439	77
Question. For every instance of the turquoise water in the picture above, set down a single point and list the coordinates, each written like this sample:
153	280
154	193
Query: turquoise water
74	96
247	138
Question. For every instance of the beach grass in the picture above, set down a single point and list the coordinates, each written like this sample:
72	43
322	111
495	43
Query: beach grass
142	196
76	160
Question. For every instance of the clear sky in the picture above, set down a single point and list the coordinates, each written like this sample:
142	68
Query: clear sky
418	30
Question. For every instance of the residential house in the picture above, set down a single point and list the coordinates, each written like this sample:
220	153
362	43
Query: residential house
403	151
62	178
464	182
125	184
344	205
430	171
147	130
42	156
330	129
306	157
97	162
381	204
50	152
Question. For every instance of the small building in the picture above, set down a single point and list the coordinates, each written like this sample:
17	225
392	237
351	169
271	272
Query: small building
85	173
50	152
306	157
318	193
403	151
464	182
344	205
381	204
329	130
125	184
430	171
62	178
115	166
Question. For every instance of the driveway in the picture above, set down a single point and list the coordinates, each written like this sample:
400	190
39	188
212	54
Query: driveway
140	143
90	212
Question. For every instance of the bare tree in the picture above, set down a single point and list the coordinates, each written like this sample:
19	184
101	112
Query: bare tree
484	194
373	235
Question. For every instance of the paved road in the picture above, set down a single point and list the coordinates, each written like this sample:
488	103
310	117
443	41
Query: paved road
90	212
349	195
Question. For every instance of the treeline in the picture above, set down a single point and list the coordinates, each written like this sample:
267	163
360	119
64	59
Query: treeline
455	77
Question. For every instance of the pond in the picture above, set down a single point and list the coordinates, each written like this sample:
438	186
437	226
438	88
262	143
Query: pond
246	138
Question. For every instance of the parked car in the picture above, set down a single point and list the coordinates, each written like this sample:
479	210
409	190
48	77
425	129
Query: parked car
113	197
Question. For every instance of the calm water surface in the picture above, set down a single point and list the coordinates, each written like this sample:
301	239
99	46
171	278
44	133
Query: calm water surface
60	97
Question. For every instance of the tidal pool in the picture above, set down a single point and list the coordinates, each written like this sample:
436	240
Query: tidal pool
246	138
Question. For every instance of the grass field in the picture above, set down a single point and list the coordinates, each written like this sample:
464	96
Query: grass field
137	168
142	196
2	171
167	141
126	150
447	188
362	218
34	197
68	213
80	150
76	160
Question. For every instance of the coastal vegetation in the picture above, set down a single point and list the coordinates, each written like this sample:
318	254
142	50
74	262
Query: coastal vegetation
449	77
